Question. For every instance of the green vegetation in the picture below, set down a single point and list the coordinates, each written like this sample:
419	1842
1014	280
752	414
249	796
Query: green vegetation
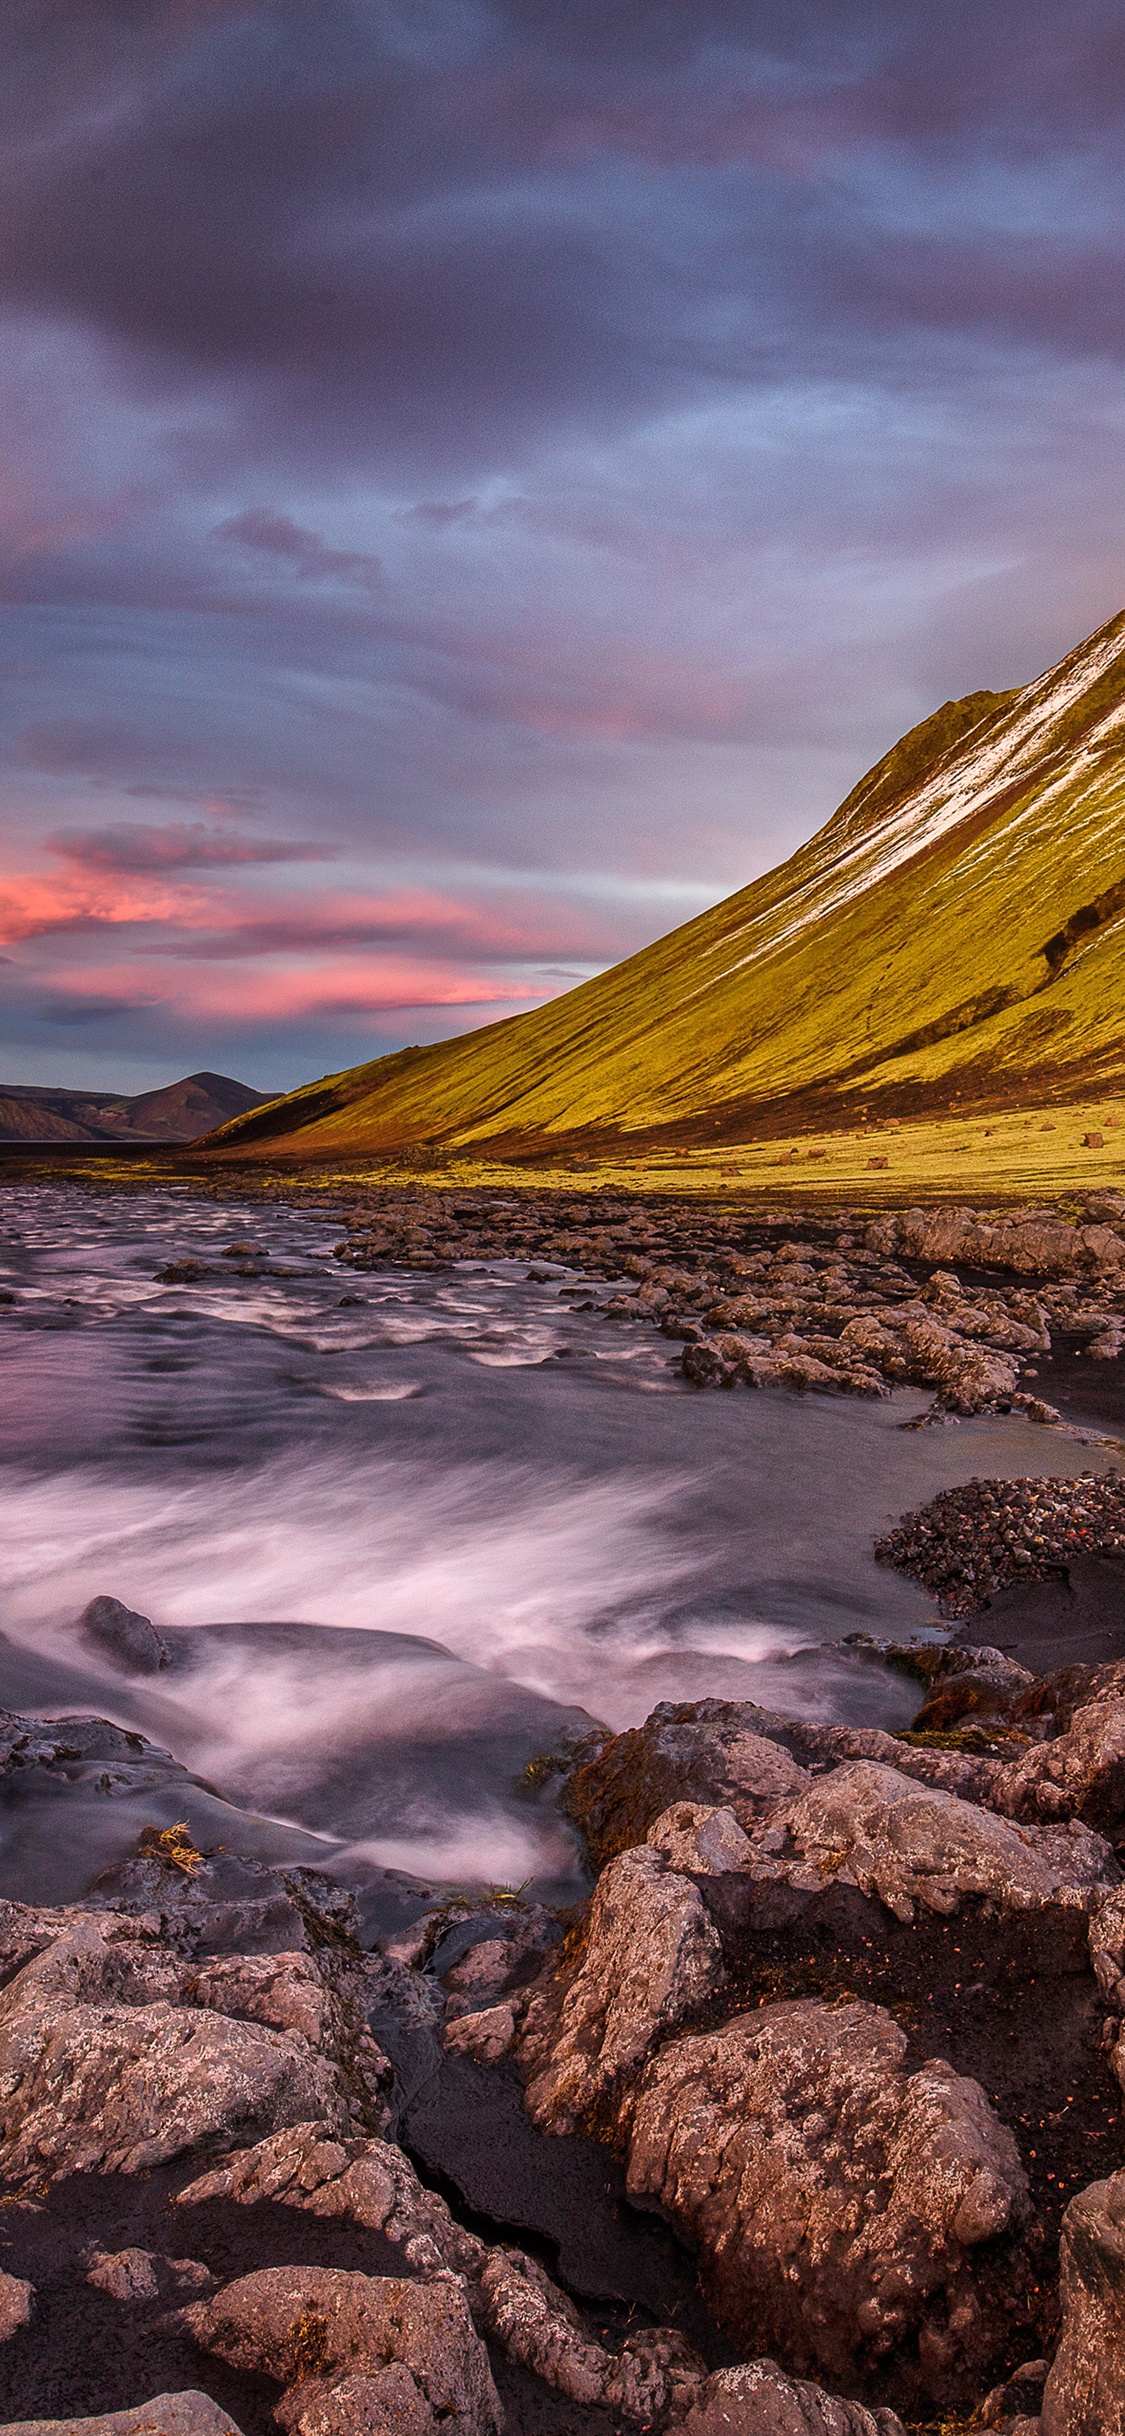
950	946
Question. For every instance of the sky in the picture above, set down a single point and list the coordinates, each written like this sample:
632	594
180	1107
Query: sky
482	478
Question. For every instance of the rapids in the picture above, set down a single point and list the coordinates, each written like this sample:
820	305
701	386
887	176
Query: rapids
404	1533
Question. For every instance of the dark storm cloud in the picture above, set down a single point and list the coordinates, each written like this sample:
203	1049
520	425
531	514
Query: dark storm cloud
137	846
519	446
424	229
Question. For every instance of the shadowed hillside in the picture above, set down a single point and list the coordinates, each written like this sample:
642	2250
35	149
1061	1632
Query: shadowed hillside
178	1112
952	939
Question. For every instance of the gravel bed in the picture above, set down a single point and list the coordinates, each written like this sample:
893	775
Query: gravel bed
971	1541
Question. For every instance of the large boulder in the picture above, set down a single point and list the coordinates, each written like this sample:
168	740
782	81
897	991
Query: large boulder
714	1751
648	1955
838	2200
910	1843
107	2065
186	2414
759	2400
355	2352
1085	2392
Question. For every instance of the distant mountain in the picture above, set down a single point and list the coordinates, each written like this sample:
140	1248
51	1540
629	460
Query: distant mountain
180	1112
954	937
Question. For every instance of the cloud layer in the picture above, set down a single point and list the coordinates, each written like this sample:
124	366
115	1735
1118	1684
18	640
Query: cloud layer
480	480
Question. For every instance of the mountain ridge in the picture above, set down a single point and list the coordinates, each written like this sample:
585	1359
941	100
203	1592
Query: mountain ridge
893	963
174	1112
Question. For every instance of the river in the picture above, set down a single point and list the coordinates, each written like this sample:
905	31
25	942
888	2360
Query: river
405	1532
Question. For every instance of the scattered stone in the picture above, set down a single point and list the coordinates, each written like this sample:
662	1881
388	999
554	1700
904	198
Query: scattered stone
970	1541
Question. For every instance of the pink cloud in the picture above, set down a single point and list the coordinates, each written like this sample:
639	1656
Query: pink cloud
369	989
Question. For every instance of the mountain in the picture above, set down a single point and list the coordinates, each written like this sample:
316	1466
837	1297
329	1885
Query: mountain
953	938
179	1112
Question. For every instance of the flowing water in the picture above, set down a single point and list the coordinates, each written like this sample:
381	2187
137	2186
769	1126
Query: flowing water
405	1531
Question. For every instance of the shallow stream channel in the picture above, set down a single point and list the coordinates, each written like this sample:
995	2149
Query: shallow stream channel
401	1536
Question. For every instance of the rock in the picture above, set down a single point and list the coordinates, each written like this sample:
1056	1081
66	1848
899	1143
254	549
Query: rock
16	2298
910	1843
699	1840
1085	2391
312	2327
705	1752
653	2375
647	1956
183	1273
368	2182
144	2275
130	1638
187	2414
835	2198
759	2400
1080	1771
104	2068
486	2036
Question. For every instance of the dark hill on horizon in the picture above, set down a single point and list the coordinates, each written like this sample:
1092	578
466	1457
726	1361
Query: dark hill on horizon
177	1112
952	939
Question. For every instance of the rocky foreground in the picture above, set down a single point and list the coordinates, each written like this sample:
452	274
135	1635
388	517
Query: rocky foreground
960	1301
843	2019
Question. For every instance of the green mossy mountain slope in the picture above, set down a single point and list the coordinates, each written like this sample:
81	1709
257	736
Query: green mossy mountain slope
953	938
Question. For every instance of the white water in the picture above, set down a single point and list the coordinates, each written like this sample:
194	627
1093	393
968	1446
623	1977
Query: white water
467	1550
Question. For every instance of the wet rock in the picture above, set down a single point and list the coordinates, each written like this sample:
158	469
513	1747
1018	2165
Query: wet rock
16	2299
706	1751
130	1638
183	1273
312	2327
186	2414
759	2400
1085	2391
105	2068
836	2199
487	2036
648	1954
911	1843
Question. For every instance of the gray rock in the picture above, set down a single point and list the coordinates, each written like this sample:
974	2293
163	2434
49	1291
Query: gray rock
910	1843
368	2182
835	2198
704	1842
16	2298
1085	2391
758	2400
130	1638
649	1954
104	2067
145	2275
312	2327
187	2414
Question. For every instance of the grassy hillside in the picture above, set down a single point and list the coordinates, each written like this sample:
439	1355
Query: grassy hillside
951	942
